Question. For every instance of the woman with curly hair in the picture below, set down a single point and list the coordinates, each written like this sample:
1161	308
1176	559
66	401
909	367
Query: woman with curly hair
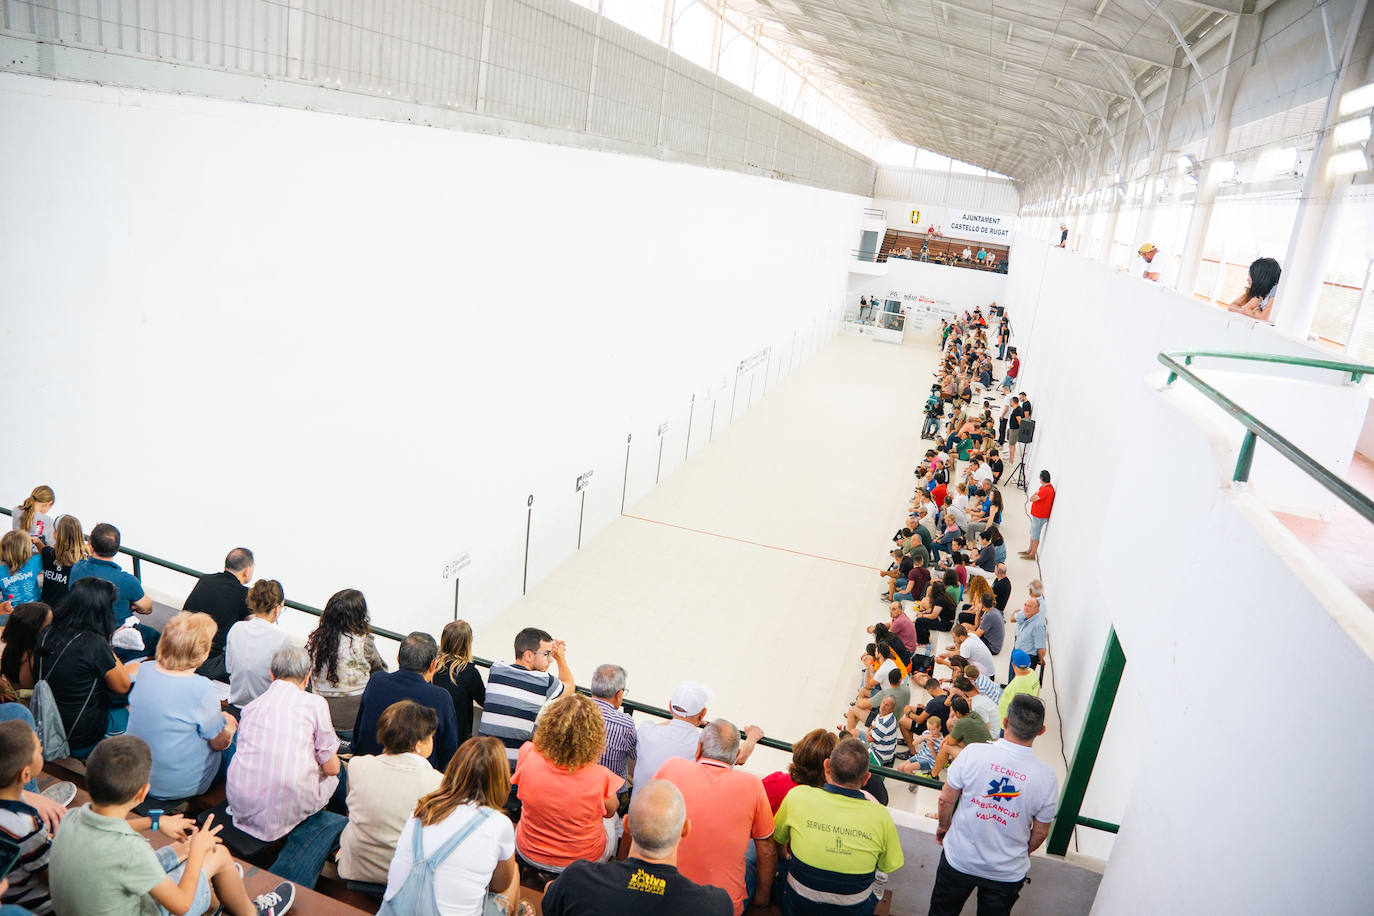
806	769
344	656
568	800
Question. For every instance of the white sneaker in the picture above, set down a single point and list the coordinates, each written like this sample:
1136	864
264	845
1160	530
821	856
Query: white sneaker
60	792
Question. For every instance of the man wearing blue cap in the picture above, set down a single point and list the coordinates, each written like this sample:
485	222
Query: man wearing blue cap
1023	681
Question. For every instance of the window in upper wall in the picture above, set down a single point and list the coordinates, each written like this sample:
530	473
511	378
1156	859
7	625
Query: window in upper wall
694	27
1344	278
925	159
894	152
642	16
768	78
964	168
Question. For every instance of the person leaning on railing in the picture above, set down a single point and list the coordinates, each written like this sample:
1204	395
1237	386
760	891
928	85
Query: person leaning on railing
1258	299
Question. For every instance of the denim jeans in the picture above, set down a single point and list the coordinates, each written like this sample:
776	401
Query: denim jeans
10	909
19	711
117	723
751	871
308	846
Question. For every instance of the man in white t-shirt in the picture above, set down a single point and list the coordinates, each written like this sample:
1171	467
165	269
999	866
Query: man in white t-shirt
1006	800
1158	266
968	253
659	740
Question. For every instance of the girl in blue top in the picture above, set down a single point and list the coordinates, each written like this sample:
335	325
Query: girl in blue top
21	570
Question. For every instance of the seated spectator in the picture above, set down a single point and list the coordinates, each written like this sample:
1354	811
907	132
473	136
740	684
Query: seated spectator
913	717
893	688
838	839
21	639
992	854
101	840
464	811
130	597
937	609
806	769
994	533
973	595
658	740
927	749
344	656
881	735
984	707
21	569
416	660
224	596
21	760
286	769
176	711
989	625
32	518
732	815
568	800
965	728
970	647
1001	587
1023	681
458	675
648	881
517	691
59	560
384	789
74	656
608	692
252	642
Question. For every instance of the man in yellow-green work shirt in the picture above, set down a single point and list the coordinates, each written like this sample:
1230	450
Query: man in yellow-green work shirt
1025	681
838	838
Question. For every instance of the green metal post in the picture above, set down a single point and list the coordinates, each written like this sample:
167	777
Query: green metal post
138	570
1089	743
1246	458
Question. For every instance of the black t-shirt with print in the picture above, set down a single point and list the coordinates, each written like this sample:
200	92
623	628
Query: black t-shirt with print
631	886
55	577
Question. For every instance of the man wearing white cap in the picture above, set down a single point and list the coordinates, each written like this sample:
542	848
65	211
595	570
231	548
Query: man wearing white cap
661	740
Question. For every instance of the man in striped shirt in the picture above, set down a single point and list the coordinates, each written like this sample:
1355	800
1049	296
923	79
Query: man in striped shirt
608	690
517	691
881	737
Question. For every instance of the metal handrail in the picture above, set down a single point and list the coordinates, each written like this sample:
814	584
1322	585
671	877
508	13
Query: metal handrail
140	557
1255	429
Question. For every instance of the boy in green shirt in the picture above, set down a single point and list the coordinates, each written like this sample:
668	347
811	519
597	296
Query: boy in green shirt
100	866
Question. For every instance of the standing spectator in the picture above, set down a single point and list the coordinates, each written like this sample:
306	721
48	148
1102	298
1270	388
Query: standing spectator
1032	635
730	810
251	644
466	808
458	675
838	838
130	597
21	569
1001	587
1002	421
286	768
75	658
344	656
658	741
608	692
1041	504
648	882
567	800
1006	800
806	769
1063	235
21	639
32	518
1009	382
384	789
416	660
177	711
59	560
516	692
224	596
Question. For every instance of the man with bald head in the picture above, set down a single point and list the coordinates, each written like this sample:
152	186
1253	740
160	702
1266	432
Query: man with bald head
1031	636
731	815
648	881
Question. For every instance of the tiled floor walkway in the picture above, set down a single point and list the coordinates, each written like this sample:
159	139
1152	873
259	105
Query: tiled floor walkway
1345	542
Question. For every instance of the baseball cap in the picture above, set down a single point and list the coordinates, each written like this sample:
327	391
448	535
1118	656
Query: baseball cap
690	698
1146	248
1019	658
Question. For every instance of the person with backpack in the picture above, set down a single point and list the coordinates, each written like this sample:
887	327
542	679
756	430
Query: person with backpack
464	812
76	672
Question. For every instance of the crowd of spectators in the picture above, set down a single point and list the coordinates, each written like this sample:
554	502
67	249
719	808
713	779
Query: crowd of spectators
324	755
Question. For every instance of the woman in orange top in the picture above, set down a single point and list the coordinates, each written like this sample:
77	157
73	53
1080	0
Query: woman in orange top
568	800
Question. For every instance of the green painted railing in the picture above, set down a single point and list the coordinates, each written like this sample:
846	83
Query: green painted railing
1255	430
139	557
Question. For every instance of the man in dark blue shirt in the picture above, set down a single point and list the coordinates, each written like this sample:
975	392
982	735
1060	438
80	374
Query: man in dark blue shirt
416	661
104	540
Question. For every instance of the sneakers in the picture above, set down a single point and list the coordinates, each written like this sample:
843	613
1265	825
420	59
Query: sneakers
277	901
60	792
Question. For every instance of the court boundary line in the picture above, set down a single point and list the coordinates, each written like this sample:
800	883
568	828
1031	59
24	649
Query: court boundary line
730	537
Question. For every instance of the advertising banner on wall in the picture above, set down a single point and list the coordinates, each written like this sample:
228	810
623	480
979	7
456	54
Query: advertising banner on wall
968	224
951	222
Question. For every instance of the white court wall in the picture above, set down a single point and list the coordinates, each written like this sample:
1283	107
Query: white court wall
358	346
912	281
1209	595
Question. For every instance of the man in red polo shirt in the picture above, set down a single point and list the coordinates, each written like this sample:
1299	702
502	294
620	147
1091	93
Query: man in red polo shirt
1041	504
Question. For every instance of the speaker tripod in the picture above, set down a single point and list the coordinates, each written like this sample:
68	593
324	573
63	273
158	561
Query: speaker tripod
1018	475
